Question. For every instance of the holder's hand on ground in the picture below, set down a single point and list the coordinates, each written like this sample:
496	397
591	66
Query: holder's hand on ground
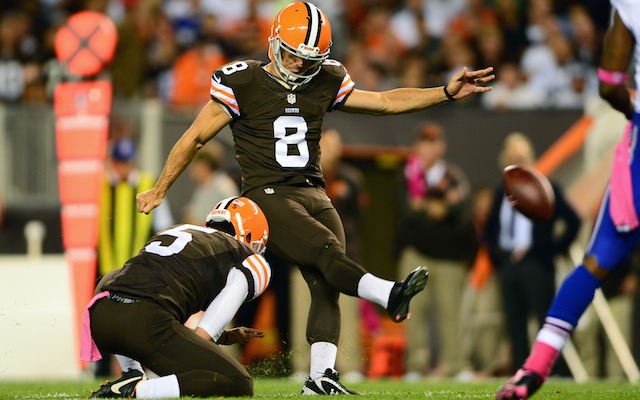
468	82
239	335
149	200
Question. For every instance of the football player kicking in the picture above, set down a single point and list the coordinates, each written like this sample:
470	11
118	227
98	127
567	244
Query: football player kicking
616	232
275	111
139	310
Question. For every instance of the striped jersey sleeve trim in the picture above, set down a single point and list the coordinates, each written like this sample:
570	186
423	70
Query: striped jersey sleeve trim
225	95
260	271
345	88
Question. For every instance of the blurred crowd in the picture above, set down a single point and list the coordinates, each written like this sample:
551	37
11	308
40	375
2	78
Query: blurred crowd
544	51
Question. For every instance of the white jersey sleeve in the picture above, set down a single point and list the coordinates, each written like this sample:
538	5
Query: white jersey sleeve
226	304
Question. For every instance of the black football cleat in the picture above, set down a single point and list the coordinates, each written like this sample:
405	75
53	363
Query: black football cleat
521	386
327	384
125	387
403	292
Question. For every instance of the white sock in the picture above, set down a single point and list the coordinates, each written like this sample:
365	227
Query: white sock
127	363
165	387
375	289
555	332
323	356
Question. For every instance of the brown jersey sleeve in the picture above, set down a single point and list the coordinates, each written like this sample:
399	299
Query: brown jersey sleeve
230	78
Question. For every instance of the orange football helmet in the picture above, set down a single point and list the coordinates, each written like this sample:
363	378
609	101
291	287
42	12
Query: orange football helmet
303	30
241	218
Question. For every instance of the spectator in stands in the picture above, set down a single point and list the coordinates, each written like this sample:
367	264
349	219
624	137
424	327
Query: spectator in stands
366	74
545	59
511	19
415	72
20	70
232	13
482	318
490	45
185	18
248	35
470	20
162	51
511	91
192	69
435	231
578	89
586	40
409	26
213	183
523	251
438	15
128	68
383	48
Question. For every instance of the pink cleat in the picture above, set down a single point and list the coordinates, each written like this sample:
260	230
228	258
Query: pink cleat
522	385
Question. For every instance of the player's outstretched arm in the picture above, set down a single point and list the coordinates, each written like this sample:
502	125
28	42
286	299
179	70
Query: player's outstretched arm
403	100
211	119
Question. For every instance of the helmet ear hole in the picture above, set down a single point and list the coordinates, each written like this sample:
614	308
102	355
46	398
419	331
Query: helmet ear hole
248	239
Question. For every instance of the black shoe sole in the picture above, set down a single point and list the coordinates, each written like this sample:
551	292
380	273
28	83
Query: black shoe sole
416	283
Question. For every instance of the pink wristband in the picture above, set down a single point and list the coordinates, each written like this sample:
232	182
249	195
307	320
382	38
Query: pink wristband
612	77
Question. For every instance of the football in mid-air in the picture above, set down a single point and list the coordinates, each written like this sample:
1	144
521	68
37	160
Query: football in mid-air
529	191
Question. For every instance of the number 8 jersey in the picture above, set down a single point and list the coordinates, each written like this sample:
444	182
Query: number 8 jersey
277	130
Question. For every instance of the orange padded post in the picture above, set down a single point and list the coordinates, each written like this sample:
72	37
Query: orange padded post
80	182
80	226
85	44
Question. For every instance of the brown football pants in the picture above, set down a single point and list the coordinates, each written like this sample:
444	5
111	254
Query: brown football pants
306	230
150	334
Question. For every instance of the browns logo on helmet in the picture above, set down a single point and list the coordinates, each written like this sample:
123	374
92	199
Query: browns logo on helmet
303	30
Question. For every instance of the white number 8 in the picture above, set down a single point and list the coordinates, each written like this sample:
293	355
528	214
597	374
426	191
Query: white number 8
235	67
298	139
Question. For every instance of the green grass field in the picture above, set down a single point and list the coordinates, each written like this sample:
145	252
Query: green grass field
385	390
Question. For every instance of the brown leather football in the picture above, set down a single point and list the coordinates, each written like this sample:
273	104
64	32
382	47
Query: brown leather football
529	191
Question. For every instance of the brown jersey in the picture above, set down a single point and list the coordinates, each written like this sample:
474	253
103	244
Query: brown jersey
277	130
185	267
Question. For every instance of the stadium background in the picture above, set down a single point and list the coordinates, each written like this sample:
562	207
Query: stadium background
150	107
